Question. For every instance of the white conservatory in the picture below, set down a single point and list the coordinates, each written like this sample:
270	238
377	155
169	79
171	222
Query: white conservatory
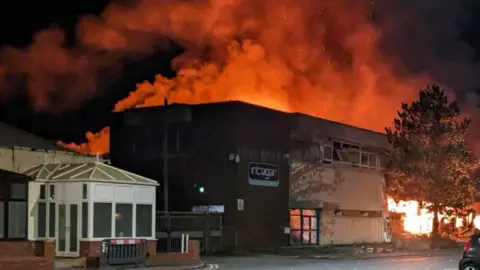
88	202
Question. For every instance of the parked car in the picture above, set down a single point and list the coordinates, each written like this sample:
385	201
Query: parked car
471	254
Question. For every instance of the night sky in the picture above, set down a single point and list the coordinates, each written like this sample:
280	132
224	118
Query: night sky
19	21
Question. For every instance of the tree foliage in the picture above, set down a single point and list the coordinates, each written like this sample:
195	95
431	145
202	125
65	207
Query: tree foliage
430	160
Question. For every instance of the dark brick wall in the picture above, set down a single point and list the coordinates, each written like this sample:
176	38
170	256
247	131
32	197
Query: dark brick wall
23	255
216	130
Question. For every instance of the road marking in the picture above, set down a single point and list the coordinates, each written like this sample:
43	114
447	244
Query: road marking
412	260
211	266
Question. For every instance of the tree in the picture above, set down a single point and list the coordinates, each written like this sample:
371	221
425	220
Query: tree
430	160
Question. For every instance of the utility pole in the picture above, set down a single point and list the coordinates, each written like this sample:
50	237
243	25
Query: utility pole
165	181
165	167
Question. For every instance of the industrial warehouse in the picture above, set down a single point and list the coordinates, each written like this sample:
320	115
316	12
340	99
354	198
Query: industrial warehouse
274	178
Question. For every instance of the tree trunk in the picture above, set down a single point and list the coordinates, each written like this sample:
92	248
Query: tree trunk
435	232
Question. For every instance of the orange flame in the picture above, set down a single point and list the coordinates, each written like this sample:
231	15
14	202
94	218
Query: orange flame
315	57
418	220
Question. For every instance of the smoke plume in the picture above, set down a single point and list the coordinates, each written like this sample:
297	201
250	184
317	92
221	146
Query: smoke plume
347	61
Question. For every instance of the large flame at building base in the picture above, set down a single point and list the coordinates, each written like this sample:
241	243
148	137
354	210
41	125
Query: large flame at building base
418	220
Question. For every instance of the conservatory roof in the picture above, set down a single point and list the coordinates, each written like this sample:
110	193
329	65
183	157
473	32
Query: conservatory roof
88	171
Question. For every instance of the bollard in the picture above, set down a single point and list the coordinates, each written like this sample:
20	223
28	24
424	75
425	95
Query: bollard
184	244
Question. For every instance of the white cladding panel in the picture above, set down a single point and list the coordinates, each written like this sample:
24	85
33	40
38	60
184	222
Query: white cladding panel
355	230
145	194
103	192
124	193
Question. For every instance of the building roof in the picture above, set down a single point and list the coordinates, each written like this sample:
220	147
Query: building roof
88	171
8	175
301	123
14	137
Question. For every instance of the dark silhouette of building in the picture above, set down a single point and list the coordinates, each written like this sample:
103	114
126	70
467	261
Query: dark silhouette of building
236	153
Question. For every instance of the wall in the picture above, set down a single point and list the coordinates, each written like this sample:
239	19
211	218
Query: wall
314	185
21	159
21	255
327	171
199	155
351	230
307	126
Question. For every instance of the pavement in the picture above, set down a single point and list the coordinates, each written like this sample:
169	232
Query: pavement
434	260
426	260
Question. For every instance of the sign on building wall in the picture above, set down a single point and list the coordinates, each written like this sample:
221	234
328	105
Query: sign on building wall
260	174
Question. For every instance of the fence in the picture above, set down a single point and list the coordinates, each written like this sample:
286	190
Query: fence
123	251
204	227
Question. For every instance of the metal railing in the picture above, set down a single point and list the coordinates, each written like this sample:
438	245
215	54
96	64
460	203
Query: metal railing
204	227
123	252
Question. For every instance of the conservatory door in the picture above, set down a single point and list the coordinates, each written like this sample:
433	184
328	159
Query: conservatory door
67	234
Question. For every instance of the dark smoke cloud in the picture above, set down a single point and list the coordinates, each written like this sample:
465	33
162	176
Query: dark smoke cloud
428	36
424	36
432	37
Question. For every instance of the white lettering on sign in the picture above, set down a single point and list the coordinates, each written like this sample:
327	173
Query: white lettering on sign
266	172
263	174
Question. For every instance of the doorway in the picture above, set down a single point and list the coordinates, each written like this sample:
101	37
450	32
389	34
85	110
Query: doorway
305	227
67	234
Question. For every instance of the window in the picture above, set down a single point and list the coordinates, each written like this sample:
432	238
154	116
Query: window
304	226
51	220
354	155
42	192
13	210
17	219
123	220
372	160
84	220
327	152
52	192
364	159
18	191
84	191
369	160
144	220
348	153
102	220
42	219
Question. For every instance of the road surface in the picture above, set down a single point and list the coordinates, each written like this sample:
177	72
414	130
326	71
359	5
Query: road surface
441	260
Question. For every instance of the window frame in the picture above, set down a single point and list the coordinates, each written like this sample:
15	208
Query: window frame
132	206
136	219
110	219
309	214
6	184
369	154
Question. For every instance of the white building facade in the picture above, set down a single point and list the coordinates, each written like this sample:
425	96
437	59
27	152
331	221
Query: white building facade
83	203
337	189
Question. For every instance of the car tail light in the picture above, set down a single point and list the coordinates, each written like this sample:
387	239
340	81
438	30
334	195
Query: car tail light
466	248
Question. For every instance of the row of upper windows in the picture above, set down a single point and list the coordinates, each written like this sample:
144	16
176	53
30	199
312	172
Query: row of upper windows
335	152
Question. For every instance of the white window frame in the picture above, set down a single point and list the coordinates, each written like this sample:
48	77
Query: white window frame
89	213
377	156
345	150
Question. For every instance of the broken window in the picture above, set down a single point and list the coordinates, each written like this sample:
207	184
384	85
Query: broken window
345	152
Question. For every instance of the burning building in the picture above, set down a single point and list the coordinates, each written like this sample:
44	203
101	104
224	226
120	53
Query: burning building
20	150
280	178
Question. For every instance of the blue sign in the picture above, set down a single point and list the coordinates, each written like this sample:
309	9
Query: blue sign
260	174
